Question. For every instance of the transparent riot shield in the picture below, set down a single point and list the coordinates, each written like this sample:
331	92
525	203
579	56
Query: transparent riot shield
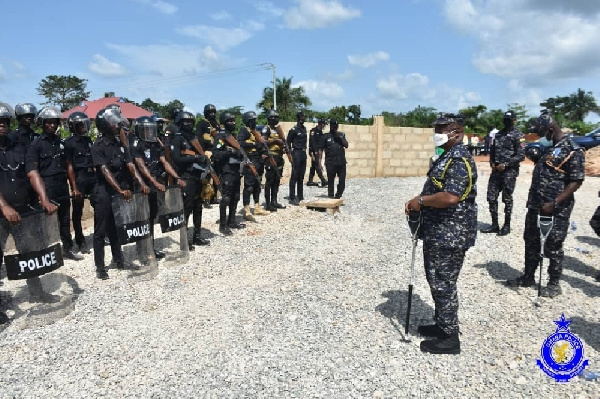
132	219
174	240
39	293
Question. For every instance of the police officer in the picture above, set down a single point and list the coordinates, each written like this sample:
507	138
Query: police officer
448	229
149	156
24	133
172	127
115	173
228	160
192	167
273	174
19	179
507	153
316	145
78	147
335	159
49	155
206	130
297	139
558	173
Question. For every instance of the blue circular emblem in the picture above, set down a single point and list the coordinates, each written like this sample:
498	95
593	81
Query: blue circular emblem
562	353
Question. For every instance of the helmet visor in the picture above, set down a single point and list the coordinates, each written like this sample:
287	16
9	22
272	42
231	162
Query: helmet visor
148	132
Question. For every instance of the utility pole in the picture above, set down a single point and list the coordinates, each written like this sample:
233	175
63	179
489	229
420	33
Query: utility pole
271	66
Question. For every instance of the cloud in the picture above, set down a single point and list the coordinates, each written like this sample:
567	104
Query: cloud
2	74
397	86
316	14
320	89
368	60
222	38
220	16
268	8
553	51
162	6
102	66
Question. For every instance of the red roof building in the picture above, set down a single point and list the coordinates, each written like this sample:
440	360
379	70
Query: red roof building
91	108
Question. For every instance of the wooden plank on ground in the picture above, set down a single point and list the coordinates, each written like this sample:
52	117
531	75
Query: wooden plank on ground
325	203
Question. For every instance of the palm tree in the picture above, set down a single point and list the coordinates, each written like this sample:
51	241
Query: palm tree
289	99
579	105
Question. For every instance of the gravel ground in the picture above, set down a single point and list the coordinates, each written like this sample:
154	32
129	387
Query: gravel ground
304	304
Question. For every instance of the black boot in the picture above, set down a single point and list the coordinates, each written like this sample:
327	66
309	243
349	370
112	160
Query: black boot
277	205
449	345
37	293
69	254
552	289
432	330
101	273
198	240
494	228
506	228
225	230
3	318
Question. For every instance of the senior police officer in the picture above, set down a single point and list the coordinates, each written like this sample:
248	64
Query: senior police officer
273	173
193	168
335	159
316	145
448	229
149	156
49	155
297	140
558	173
256	154
227	164
115	172
507	152
78	147
19	179
24	133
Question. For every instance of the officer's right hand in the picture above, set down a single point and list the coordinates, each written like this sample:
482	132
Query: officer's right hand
49	207
145	190
11	215
126	194
160	187
279	142
181	183
201	158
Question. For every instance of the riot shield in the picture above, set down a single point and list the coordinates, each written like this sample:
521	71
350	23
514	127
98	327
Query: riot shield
174	241
132	219
32	252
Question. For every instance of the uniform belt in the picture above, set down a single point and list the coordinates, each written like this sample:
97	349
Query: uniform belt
298	149
56	177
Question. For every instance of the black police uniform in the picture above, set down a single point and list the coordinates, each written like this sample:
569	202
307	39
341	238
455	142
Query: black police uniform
110	153
335	162
448	233
297	139
508	149
150	153
316	145
562	164
16	189
190	169
204	127
273	174
254	150
79	153
23	135
49	153
227	165
171	129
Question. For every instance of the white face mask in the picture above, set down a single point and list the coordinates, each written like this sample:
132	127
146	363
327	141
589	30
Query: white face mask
439	139
545	142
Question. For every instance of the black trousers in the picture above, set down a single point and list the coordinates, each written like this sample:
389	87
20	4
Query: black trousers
192	202
298	172
230	196
104	224
332	172
316	166
57	190
86	187
252	183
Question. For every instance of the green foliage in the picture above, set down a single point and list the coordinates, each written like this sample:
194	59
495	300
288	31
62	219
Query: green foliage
289	99
420	117
572	108
63	91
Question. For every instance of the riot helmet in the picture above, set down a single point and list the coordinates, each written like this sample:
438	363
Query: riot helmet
249	119
533	153
26	111
300	116
186	121
108	120
227	120
210	111
322	121
272	117
333	124
174	112
146	129
6	114
48	113
77	119
125	124
114	106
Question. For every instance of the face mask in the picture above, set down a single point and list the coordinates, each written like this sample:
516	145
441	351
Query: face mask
439	139
545	142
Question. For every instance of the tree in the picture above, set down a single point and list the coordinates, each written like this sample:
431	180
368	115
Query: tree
170	106
579	104
64	91
473	121
522	118
420	117
289	99
152	106
353	114
109	94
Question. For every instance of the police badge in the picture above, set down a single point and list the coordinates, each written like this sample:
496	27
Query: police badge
562	353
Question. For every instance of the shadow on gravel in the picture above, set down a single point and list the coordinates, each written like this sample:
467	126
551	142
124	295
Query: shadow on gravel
578	266
589	240
586	330
395	310
499	270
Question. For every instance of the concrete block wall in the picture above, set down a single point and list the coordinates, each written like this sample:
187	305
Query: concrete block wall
379	150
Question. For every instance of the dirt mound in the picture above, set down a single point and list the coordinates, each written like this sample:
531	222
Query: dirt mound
592	162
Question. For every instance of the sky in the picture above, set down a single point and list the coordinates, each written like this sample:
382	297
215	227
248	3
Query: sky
384	55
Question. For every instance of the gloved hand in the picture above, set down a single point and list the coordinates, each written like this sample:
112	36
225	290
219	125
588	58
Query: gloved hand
201	158
235	152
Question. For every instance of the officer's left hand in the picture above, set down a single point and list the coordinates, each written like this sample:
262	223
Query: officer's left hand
160	187
11	215
181	183
145	190
49	207
77	195
501	167
412	205
547	208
